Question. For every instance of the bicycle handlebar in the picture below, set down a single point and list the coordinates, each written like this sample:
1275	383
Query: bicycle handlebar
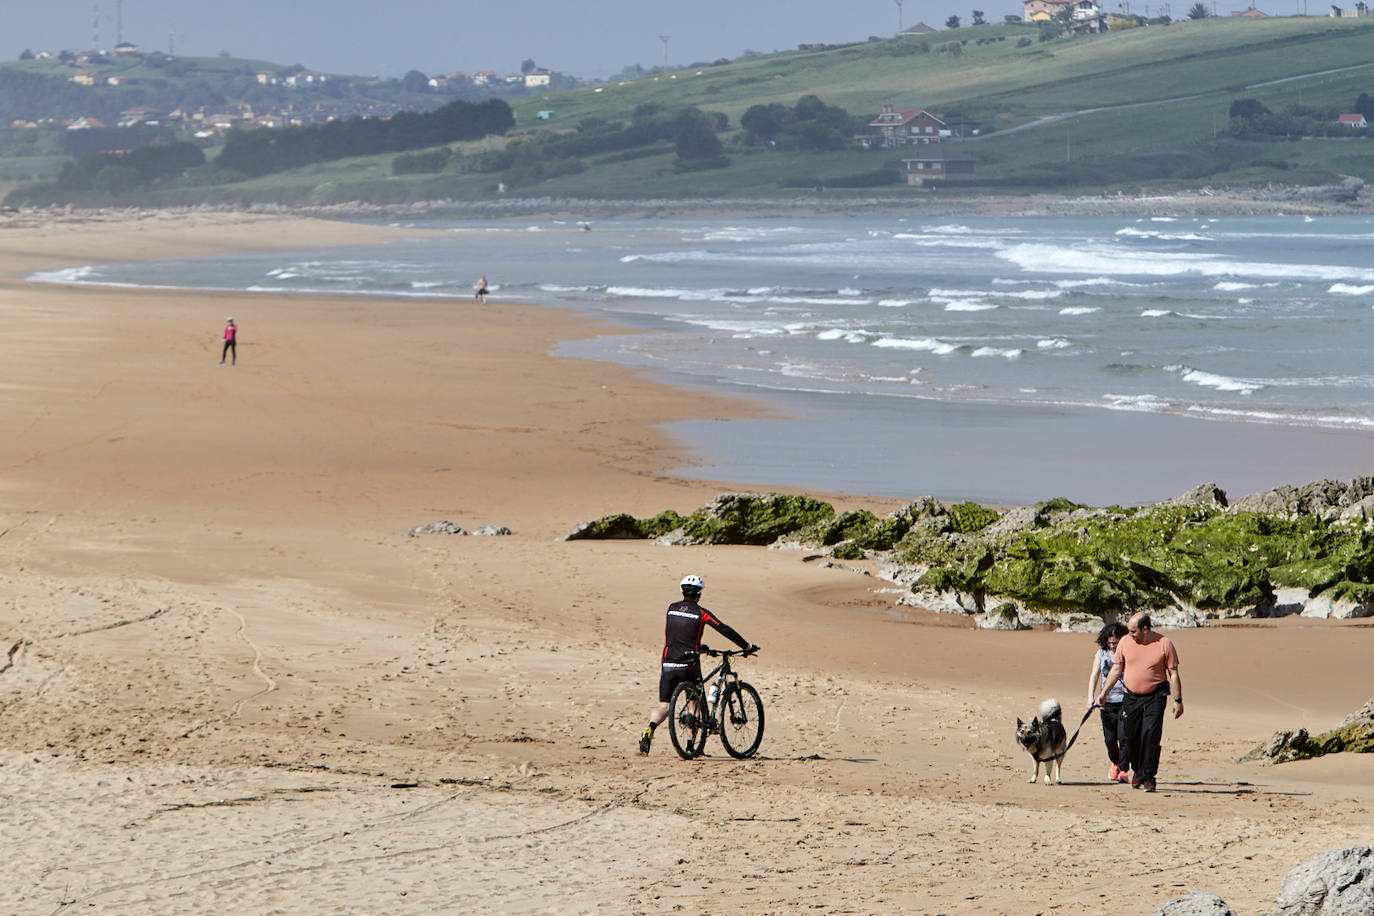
727	653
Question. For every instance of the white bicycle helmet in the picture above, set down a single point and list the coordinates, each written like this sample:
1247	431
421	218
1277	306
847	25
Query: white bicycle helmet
693	582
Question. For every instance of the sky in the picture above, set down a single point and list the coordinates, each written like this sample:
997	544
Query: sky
387	38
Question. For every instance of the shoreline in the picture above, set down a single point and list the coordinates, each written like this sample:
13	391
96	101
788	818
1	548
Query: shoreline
226	659
1351	197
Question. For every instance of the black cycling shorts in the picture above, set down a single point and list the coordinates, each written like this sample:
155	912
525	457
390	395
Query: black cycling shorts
675	673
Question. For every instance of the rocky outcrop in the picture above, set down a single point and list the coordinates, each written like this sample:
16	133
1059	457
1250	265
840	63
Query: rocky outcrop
1336	883
446	527
492	531
1325	499
1354	734
1196	557
443	527
1200	903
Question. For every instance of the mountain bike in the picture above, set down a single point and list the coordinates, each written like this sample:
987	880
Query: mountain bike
720	703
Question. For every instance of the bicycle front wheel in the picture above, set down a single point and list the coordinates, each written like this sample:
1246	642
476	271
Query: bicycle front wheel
687	720
741	720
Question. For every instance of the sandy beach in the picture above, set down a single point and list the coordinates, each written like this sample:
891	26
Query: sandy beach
231	683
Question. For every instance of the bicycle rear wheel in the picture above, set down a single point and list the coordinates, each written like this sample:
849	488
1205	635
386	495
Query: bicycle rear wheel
687	720
741	720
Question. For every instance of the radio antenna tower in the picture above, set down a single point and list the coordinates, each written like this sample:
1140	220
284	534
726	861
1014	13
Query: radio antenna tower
119	22
664	39
899	15
95	27
171	43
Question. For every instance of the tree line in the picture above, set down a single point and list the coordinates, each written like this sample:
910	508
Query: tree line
260	152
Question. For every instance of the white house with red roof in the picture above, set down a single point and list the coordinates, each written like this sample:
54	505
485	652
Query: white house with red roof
1353	120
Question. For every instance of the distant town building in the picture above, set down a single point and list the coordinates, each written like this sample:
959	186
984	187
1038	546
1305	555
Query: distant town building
919	28
126	49
1353	120
85	78
536	78
938	165
1250	13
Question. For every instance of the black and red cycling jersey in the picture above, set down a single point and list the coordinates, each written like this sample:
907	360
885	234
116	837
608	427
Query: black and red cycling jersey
682	634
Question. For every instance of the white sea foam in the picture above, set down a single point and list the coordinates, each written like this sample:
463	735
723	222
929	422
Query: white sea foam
643	292
1098	259
1339	421
1156	313
1217	381
1004	352
1029	294
1094	281
947	241
1346	289
1080	309
1136	402
850	336
896	303
1130	232
1053	343
963	306
85	274
926	344
1232	286
565	288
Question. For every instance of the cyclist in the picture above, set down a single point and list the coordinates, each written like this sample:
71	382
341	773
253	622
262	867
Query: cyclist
681	645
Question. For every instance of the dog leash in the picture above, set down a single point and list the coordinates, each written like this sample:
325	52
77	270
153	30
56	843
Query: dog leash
1071	740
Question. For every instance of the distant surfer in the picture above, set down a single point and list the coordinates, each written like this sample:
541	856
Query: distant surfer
482	290
231	346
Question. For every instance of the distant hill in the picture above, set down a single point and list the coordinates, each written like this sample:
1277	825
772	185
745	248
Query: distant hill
1025	108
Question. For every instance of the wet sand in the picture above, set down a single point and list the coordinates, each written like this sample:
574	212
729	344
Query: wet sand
231	684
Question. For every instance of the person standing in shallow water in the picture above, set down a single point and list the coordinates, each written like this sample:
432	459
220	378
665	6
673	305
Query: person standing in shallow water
1147	664
231	345
482	290
1113	731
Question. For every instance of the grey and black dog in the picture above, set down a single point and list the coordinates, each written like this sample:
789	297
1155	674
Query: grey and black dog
1046	740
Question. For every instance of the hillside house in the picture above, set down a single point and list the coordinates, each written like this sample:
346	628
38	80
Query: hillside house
1250	13
919	28
268	78
85	78
83	123
1355	121
438	82
936	166
1083	15
483	77
126	49
908	127
537	78
142	114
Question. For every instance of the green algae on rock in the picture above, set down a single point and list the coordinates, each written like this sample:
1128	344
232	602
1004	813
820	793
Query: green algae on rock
1354	735
1308	550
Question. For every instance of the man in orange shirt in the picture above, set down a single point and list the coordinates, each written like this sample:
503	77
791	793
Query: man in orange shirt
1147	664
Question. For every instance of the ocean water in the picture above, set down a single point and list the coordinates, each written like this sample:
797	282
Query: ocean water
1006	359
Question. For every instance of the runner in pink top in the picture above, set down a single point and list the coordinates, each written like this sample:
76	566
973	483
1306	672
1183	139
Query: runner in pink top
231	333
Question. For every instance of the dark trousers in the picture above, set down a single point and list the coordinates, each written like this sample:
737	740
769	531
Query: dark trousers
230	346
1142	715
1114	733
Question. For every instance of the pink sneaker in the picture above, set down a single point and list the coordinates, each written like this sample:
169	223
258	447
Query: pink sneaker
1113	774
1126	777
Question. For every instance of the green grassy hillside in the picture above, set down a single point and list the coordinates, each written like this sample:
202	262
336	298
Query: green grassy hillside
1139	108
